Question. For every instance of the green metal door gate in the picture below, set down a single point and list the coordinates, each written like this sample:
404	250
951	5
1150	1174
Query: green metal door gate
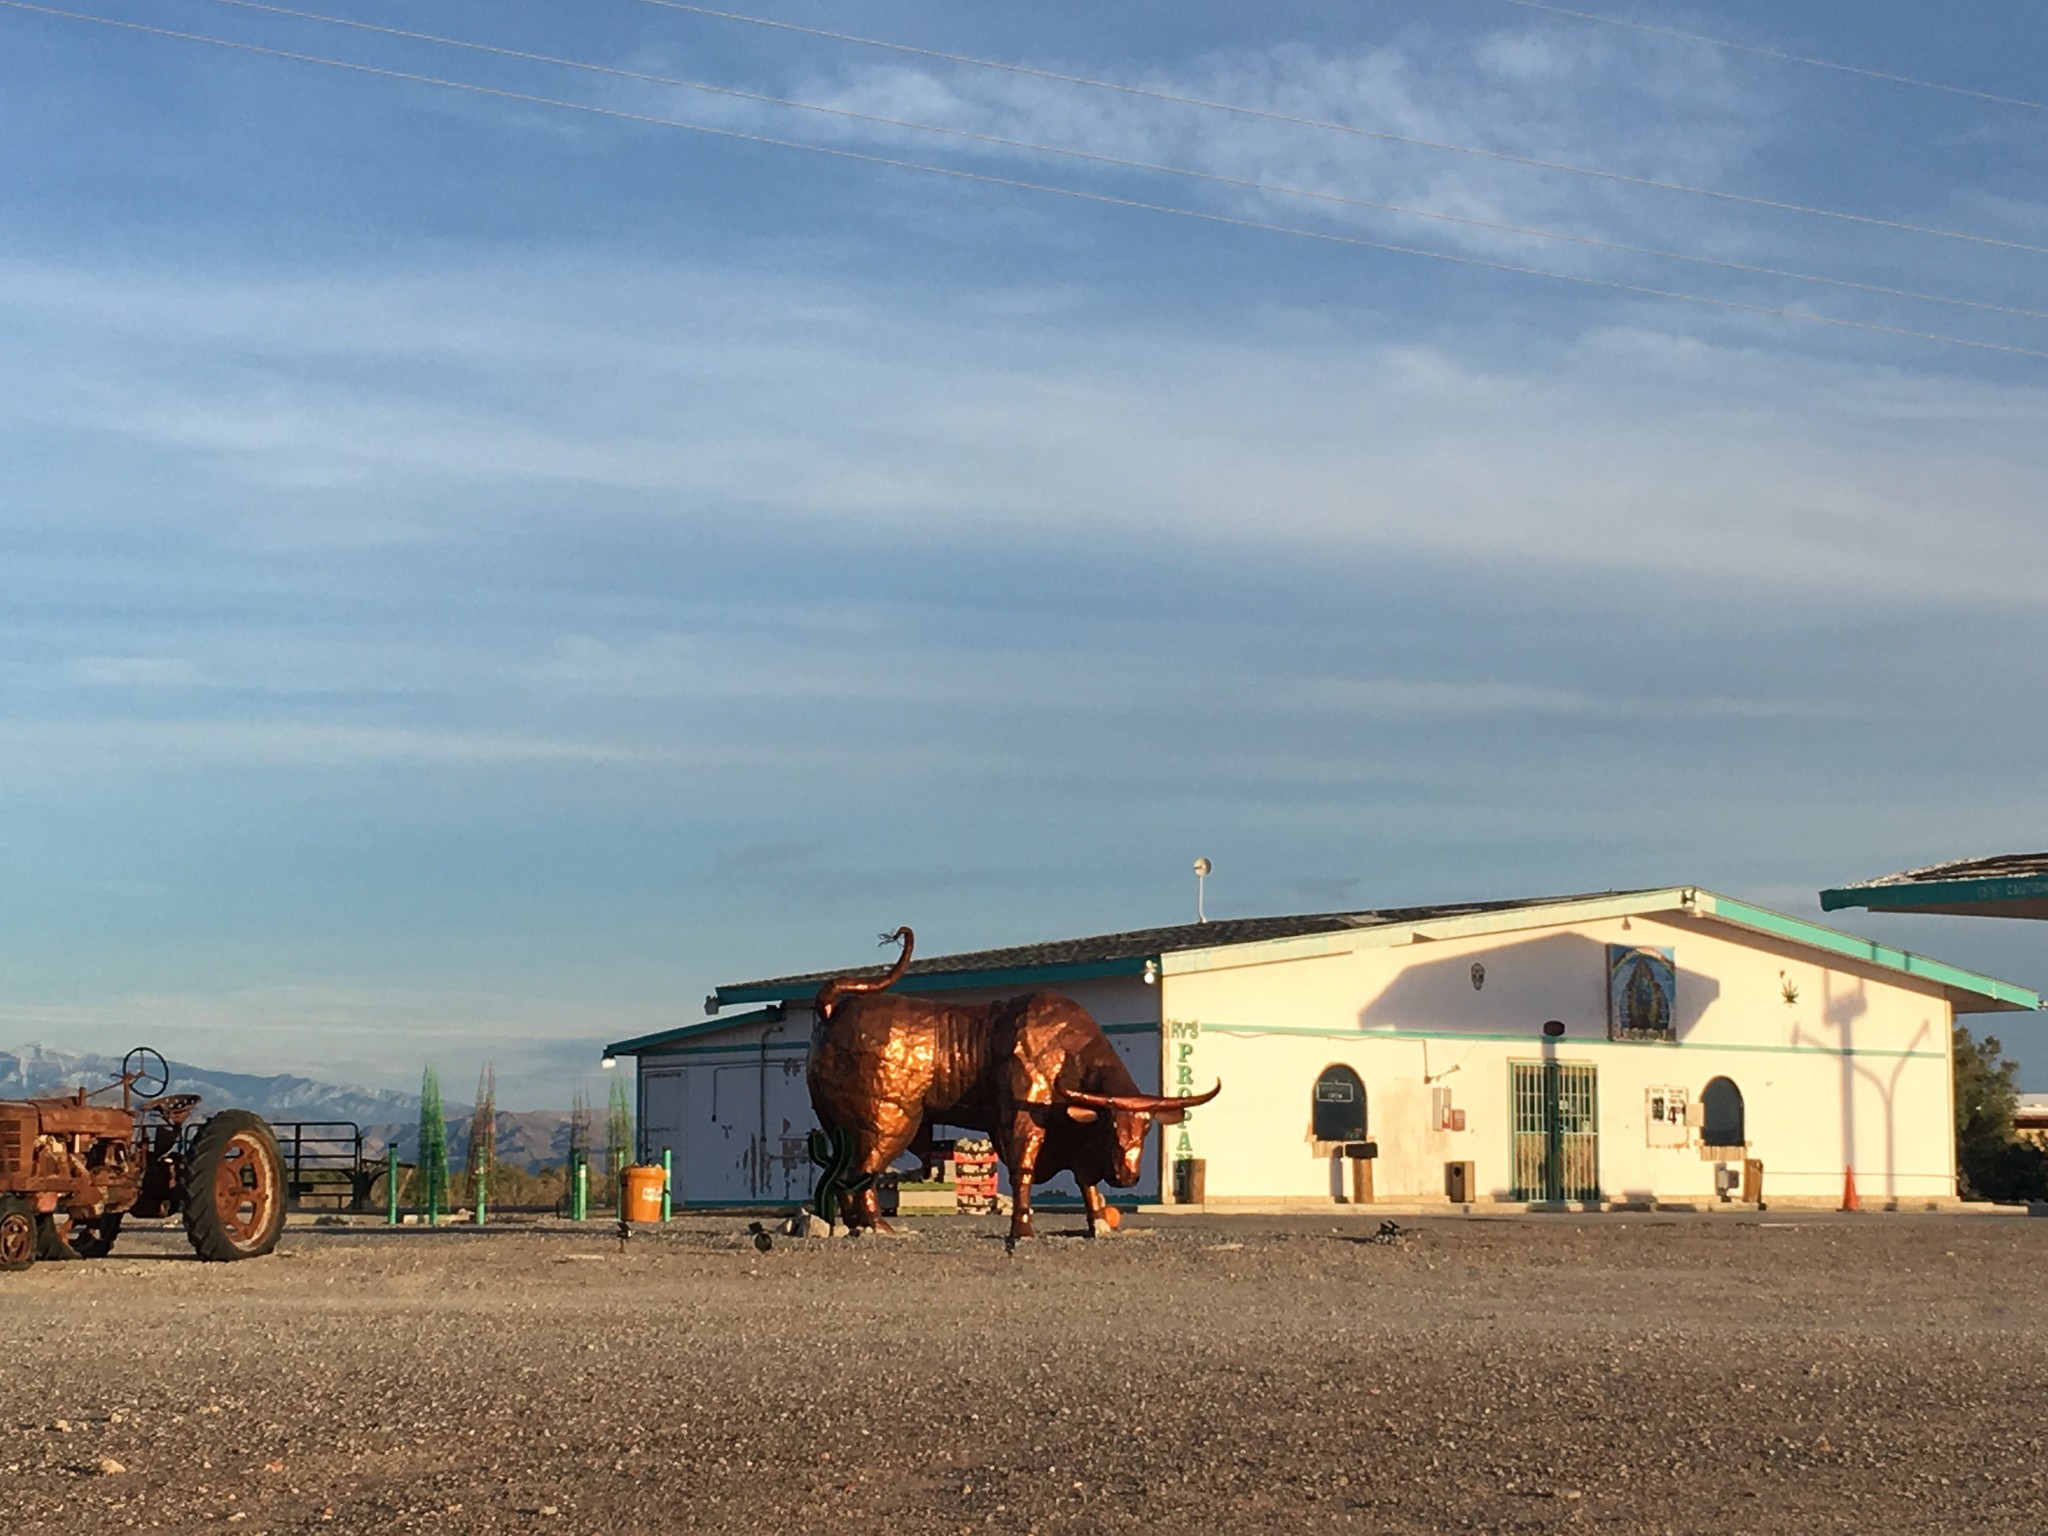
1556	1115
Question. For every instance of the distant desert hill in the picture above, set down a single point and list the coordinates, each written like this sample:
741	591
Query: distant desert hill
531	1139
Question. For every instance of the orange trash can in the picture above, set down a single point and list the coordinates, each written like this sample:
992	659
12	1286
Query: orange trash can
643	1193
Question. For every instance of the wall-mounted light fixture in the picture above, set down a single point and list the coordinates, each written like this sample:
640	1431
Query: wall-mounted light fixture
1151	973
609	1061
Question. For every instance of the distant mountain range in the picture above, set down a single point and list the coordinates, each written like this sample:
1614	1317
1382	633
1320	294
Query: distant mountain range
532	1139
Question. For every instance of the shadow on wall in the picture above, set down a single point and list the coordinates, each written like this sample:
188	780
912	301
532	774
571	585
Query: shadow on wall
1840	1012
1558	976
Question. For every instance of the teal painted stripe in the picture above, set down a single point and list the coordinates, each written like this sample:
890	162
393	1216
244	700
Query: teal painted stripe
1574	1042
1039	1202
1803	932
742	1048
1920	893
955	981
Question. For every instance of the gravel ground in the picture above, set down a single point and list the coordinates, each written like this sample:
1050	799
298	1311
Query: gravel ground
1652	1373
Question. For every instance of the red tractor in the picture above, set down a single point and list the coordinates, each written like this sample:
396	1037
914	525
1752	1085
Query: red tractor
72	1168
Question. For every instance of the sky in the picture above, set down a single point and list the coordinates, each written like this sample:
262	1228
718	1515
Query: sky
476	574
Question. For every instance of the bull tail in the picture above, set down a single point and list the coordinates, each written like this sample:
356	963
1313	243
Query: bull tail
841	986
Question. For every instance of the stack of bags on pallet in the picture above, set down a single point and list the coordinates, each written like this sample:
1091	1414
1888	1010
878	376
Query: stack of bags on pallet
974	1177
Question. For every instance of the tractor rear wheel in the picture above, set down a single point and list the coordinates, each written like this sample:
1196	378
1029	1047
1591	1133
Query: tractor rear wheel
234	1188
18	1234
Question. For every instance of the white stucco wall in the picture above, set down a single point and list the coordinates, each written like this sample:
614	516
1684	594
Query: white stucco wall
1853	1074
734	1111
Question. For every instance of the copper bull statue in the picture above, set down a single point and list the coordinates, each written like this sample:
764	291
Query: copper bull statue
1035	1072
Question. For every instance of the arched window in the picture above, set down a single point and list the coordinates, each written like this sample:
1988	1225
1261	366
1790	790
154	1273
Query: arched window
1338	1112
1721	1122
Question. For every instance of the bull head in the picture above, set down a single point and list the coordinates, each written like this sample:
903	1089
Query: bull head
1164	1108
1130	1116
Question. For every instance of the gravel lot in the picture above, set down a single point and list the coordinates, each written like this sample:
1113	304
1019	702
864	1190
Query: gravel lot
1640	1373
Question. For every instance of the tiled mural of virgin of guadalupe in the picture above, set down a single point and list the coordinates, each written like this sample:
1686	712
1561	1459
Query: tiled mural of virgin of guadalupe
1642	992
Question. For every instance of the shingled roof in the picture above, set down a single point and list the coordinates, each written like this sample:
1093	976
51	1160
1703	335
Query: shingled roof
1142	943
2000	866
2003	885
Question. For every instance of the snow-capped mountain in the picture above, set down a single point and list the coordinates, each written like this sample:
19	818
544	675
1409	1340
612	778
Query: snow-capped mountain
37	1069
530	1138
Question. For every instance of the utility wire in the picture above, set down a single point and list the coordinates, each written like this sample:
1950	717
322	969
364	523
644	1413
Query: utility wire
1788	58
1102	198
1121	163
1352	128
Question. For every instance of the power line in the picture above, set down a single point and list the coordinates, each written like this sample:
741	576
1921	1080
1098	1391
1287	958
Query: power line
1122	163
1788	58
1102	198
1238	109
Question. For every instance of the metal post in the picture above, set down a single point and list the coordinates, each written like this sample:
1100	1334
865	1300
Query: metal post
668	1179
483	1191
579	1198
391	1184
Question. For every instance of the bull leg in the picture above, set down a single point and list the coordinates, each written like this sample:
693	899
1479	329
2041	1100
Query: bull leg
872	1152
1027	1136
1099	1219
924	1146
862	1209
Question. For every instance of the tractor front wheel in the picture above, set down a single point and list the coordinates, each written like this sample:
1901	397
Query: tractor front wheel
51	1244
74	1237
18	1237
234	1188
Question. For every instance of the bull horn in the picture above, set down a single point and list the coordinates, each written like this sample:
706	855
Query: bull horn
1138	1103
840	986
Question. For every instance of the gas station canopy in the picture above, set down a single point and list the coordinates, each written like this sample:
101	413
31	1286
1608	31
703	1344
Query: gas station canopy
2007	885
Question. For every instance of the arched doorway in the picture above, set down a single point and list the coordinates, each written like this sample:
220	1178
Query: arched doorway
1337	1112
1721	1117
1337	1127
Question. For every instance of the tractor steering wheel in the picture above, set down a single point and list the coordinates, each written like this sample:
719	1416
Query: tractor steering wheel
146	1072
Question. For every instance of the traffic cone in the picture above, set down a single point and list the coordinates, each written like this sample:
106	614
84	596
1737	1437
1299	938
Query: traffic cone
1849	1200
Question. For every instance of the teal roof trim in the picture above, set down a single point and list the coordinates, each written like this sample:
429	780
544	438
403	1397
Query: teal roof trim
2000	994
1946	893
956	981
667	1039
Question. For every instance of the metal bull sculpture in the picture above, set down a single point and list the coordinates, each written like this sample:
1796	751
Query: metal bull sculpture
1035	1072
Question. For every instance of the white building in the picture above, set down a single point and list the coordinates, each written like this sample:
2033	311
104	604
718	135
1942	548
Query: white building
1621	1047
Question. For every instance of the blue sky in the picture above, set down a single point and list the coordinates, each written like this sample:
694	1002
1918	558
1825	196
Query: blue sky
475	575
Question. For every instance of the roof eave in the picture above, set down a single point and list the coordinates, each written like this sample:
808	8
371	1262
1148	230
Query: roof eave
1675	898
664	1039
954	981
1960	898
1967	991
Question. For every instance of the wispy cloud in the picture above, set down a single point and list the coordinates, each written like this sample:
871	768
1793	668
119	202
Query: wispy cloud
27	745
1522	90
146	672
1631	447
